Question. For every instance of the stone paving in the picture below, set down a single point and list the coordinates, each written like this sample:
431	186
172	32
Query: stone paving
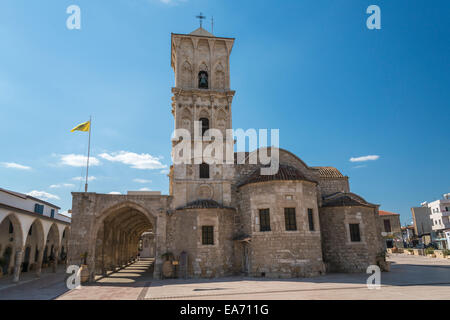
411	277
49	286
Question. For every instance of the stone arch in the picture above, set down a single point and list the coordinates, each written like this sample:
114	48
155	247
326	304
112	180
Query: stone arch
64	244
221	120
186	75
116	235
219	76
10	243
17	225
35	241
186	119
51	247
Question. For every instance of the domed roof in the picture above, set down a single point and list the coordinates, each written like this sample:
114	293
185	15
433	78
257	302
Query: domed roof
345	199
285	172
203	204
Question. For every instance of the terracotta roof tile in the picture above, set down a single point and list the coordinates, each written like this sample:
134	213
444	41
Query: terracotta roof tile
203	204
329	172
387	213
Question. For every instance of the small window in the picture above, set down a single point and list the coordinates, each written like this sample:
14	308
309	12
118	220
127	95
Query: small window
30	232
207	235
205	125
291	222
387	225
355	236
311	219
39	208
204	171
11	227
264	220
52	213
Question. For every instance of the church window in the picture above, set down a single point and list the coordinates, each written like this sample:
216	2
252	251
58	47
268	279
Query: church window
289	216
207	235
203	80
30	232
355	235
52	213
205	125
264	218
311	219
204	171
11	228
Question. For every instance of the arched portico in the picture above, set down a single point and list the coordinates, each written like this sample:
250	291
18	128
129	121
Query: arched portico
23	237
108	227
117	235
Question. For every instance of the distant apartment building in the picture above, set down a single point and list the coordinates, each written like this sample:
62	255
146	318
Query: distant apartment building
422	223
33	234
432	221
391	228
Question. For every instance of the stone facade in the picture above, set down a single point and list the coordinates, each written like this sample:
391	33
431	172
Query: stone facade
211	223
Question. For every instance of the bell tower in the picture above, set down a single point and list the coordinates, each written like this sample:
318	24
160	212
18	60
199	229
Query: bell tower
201	96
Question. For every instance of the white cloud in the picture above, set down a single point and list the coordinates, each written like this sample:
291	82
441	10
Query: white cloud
91	178
62	185
114	192
43	195
143	161
77	160
142	180
14	165
364	158
165	171
145	189
362	166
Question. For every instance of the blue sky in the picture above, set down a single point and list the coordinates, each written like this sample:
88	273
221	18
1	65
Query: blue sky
335	89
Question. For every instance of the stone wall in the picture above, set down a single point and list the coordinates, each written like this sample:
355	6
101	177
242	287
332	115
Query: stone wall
332	185
184	233
280	253
339	253
91	212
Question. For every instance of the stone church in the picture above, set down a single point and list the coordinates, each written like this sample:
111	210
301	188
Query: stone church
227	219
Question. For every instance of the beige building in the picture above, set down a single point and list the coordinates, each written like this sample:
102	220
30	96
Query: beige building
228	219
391	229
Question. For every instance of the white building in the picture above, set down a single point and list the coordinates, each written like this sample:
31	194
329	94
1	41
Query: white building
33	234
440	219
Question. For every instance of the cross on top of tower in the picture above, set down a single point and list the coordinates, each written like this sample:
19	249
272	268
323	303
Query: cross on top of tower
201	17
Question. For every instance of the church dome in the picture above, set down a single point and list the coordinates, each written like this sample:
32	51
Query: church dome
285	173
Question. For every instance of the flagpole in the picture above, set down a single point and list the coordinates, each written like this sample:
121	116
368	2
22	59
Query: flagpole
89	152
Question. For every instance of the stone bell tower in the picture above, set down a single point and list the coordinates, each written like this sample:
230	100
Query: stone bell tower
201	63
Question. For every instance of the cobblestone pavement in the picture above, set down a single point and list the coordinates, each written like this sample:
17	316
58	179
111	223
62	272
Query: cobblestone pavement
411	277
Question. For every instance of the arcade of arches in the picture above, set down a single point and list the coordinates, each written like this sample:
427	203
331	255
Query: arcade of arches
106	230
29	243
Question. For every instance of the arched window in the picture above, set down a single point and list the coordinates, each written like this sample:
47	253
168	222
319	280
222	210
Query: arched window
204	171
203	80
11	228
205	125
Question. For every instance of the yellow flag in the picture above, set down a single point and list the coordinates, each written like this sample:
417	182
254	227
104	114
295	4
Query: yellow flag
85	126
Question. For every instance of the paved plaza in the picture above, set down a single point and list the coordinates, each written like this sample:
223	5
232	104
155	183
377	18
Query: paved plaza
411	277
